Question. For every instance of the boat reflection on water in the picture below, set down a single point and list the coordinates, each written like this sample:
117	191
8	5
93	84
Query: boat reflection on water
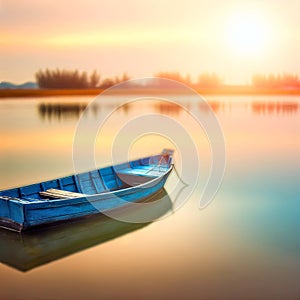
31	249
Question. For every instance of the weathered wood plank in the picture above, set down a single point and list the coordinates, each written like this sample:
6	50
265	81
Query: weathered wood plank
60	194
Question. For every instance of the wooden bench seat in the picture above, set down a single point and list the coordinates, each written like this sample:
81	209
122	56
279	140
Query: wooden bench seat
60	194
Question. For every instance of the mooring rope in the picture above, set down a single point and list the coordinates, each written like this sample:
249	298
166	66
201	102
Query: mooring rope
177	173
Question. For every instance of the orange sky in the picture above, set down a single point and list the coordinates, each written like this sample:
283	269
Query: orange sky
232	38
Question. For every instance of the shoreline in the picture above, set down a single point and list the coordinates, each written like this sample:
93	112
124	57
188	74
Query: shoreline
224	91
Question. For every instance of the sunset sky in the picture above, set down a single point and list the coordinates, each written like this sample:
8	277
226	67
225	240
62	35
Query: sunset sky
232	38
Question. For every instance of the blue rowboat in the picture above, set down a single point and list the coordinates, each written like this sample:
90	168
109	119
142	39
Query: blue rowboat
80	195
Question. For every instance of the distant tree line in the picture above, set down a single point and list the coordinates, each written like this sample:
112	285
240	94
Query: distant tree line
209	80
73	79
108	82
275	81
212	80
205	80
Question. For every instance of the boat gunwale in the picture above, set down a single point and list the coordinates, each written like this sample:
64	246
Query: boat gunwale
91	196
104	193
88	197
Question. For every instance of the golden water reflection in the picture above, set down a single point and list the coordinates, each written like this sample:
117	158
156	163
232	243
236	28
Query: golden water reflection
275	108
245	245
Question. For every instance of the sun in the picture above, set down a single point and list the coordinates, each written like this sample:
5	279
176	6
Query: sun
247	34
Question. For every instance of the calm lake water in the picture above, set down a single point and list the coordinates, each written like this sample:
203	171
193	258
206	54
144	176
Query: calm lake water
244	245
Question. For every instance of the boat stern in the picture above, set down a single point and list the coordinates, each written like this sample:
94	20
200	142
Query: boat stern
12	213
